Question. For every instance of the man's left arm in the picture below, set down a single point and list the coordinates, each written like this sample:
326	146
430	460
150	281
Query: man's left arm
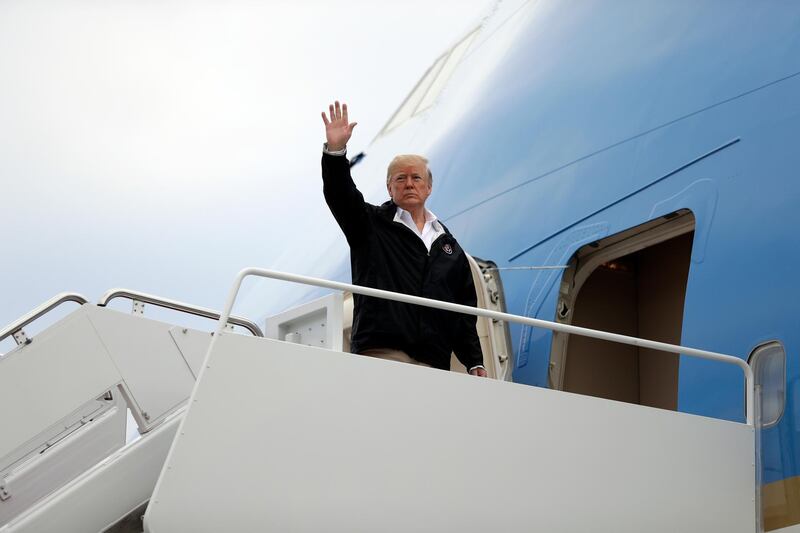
467	346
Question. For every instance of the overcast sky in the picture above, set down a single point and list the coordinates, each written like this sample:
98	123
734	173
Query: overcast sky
163	146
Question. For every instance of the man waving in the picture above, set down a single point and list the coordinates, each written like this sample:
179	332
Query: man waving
400	246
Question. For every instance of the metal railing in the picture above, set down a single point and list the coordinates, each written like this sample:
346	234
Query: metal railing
447	306
15	328
175	305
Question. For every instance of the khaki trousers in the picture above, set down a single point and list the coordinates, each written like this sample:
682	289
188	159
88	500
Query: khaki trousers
393	355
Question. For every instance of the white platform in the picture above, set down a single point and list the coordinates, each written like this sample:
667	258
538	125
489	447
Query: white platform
282	437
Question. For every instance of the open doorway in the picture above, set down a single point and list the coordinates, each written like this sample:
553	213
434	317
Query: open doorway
632	283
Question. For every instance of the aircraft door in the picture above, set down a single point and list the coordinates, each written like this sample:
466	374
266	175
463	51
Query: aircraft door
493	334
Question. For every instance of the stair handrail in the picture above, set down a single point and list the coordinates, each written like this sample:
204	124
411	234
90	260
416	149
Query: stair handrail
465	309
175	305
15	328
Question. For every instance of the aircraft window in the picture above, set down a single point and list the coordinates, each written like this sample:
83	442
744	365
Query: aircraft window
409	107
431	84
769	367
447	70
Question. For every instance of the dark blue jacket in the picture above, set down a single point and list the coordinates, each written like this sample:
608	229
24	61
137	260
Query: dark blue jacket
388	255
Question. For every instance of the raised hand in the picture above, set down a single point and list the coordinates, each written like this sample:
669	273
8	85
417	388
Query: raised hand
337	130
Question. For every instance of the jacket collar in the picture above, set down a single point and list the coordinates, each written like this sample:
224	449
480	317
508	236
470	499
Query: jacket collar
387	210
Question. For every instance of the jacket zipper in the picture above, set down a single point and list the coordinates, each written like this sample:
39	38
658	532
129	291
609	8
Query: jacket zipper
425	269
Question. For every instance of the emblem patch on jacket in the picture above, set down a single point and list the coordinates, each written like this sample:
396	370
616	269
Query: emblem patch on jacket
447	249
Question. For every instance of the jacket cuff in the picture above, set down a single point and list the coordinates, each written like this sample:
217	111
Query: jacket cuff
325	150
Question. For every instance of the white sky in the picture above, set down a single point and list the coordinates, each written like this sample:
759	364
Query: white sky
163	146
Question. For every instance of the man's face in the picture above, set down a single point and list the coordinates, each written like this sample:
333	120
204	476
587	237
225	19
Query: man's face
408	186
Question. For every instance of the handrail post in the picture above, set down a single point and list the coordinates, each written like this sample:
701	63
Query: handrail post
232	294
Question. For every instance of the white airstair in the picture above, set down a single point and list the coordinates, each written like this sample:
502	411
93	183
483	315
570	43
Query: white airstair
279	436
64	399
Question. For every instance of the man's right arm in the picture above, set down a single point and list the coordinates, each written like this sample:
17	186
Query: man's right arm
343	198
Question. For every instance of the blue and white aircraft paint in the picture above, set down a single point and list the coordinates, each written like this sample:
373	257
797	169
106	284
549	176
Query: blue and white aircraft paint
623	166
662	133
